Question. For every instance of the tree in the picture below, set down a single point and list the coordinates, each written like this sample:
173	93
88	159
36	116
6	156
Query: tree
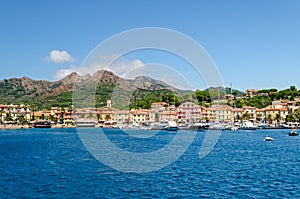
22	120
51	117
293	88
62	115
202	96
8	117
289	118
43	117
277	117
32	116
269	118
297	115
1	116
246	116
99	117
107	117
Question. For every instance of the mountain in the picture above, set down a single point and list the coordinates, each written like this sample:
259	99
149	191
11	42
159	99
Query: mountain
44	94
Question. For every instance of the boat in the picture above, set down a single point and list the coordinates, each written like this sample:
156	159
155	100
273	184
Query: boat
291	125
171	126
85	123
293	133
268	138
216	126
42	124
195	127
247	125
234	128
157	126
262	125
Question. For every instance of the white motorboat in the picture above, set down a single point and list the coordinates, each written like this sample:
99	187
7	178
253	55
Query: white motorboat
268	138
171	126
247	125
234	128
262	125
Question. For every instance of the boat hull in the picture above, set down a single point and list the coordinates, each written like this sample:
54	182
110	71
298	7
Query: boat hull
293	134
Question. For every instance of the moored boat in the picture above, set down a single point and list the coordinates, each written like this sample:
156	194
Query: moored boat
171	126
293	133
87	123
42	124
247	125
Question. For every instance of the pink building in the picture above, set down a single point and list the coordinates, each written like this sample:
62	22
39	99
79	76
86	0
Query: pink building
189	112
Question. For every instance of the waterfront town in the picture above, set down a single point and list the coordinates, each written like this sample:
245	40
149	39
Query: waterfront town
278	113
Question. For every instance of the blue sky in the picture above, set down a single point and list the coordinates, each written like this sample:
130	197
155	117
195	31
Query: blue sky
255	44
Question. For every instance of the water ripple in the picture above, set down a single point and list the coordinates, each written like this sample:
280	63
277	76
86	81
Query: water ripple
54	163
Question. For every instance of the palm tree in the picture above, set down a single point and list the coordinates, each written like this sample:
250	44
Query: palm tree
43	117
246	116
62	115
278	117
51	117
269	118
32	116
289	118
107	117
99	117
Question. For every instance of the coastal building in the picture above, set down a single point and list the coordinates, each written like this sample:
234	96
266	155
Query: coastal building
249	113
41	115
207	114
222	113
276	114
189	112
237	114
15	113
158	106
251	92
261	115
168	114
153	115
121	116
139	116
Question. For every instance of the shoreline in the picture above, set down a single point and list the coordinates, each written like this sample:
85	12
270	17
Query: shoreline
30	127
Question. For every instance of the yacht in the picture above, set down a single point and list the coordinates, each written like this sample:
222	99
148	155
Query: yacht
247	125
171	126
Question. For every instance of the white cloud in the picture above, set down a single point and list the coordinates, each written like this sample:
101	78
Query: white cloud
119	67
59	56
65	72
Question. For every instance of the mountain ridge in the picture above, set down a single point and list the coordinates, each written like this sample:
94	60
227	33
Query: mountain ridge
27	90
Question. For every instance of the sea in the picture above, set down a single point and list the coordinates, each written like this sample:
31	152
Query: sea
55	163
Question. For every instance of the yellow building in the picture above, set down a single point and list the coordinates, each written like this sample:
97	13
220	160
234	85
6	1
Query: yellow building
121	116
237	114
139	116
222	113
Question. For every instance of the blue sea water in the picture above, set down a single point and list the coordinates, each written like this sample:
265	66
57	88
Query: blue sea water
51	163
